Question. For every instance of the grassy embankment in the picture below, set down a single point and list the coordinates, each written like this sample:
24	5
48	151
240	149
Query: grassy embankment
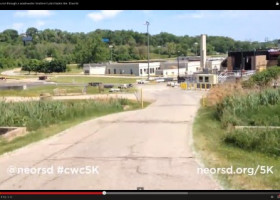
46	118
220	145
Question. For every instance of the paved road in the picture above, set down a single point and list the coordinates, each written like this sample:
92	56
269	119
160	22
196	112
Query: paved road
148	148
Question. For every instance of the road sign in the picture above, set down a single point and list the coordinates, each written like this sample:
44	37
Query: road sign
105	40
27	38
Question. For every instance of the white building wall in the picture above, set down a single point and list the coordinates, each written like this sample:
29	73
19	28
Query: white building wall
123	68
143	68
97	70
214	64
93	69
192	67
170	72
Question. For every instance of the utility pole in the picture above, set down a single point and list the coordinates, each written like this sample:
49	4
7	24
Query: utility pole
148	51
178	58
241	62
111	48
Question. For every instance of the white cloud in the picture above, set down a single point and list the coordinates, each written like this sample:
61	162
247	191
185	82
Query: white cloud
104	14
224	14
17	26
147	12
39	23
33	13
198	15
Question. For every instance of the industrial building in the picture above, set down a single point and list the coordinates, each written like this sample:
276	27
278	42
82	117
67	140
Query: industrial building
252	60
134	69
214	64
184	65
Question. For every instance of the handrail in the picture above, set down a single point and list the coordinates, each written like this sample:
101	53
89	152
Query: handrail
224	76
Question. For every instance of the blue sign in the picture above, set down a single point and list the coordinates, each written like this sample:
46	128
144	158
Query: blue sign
105	40
27	38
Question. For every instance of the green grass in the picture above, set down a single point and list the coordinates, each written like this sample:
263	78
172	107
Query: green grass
74	69
56	116
85	79
209	143
260	109
36	91
158	56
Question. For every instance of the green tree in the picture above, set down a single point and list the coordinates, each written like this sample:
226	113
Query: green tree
10	36
31	65
91	50
31	31
57	65
171	47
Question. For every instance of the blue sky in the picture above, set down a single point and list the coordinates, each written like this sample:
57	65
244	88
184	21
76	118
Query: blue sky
248	25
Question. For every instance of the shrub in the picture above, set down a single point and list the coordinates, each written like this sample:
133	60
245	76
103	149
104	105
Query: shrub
265	141
263	78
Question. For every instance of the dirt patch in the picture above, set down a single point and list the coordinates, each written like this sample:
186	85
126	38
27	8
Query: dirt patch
5	130
9	133
219	92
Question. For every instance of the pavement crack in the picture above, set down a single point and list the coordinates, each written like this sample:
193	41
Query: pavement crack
145	121
140	172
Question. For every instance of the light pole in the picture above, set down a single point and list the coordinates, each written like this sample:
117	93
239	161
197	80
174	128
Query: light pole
159	50
178	69
148	52
111	48
178	59
241	61
195	44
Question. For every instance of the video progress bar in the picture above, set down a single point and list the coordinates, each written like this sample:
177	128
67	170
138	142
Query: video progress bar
147	193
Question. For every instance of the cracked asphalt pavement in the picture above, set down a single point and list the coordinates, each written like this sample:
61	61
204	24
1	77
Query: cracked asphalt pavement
150	148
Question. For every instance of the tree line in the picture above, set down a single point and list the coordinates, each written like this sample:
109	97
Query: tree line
34	65
89	47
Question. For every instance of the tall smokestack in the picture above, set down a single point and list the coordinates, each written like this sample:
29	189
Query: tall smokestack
203	51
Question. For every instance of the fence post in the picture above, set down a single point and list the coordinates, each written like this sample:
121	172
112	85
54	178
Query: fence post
142	104
203	101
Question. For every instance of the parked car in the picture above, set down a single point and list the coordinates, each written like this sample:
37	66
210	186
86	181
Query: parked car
94	83
108	86
160	80
123	86
114	90
172	84
168	79
43	78
142	81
